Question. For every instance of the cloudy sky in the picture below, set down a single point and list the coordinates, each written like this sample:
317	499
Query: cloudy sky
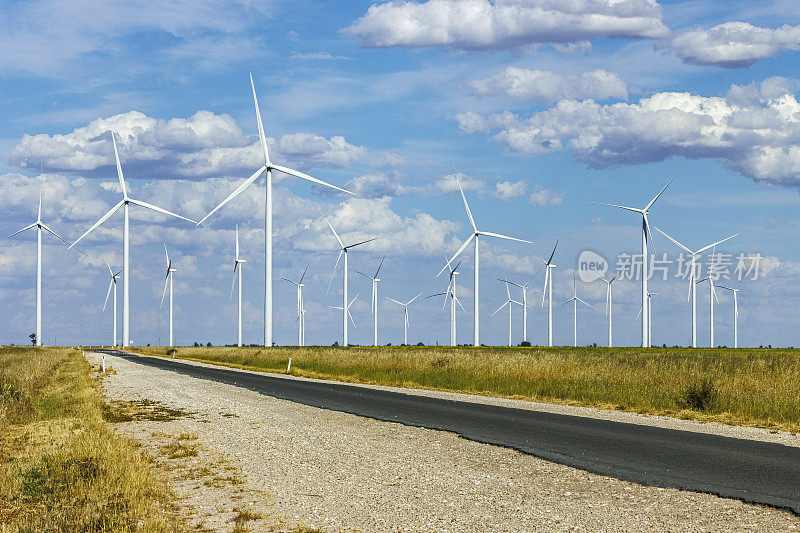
538	107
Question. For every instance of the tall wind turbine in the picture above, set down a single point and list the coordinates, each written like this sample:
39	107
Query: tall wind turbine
509	301
735	313
126	256
405	315
267	167
451	293
236	268
646	237
608	283
548	291
575	301
112	284
475	235
168	280
374	305
39	225
301	334
692	276
343	251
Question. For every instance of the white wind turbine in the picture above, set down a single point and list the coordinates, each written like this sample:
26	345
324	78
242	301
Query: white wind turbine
346	310
301	333
343	251
509	301
126	263
609	310
575	301
112	284
168	280
646	237
548	291
475	235
267	167
735	314
451	293
236	268
525	306
692	276
39	225
712	295
374	305
405	315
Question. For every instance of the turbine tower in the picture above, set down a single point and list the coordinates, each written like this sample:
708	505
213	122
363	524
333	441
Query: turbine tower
649	318
451	293
236	268
608	283
548	291
301	334
712	295
267	167
735	313
126	245
374	305
525	306
39	225
168	280
646	237
575	301
475	235
343	251
692	275
508	303
112	284
405	315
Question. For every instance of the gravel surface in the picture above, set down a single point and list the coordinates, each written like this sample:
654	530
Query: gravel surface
300	465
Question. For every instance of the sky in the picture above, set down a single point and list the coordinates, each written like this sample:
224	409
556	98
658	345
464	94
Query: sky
537	107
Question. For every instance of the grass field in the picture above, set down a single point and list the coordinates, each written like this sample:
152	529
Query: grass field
61	468
755	387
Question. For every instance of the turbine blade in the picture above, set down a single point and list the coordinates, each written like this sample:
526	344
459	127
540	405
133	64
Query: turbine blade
306	177
261	135
360	243
108	293
164	293
167	256
665	187
544	291
39	215
568	301
466	205
649	233
109	269
393	300
96	224
414	298
586	303
233	283
56	235
20	231
619	206
304	272
379	266
341	244
488	234
159	210
235	193
237	243
673	240
552	254
716	243
459	304
119	167
333	272
366	276
466	243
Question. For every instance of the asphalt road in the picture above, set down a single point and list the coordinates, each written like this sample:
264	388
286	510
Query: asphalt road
752	471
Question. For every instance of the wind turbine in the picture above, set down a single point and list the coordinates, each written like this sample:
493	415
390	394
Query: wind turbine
236	262
405	315
508	303
646	237
346	310
608	283
168	280
267	167
126	263
525	306
112	284
343	251
712	295
475	235
575	301
301	334
692	275
649	318
375	280
735	314
39	225
451	293
548	290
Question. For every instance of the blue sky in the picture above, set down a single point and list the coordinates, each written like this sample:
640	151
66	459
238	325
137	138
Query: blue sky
537	110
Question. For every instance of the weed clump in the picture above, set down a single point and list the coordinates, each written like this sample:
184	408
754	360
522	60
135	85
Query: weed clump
700	395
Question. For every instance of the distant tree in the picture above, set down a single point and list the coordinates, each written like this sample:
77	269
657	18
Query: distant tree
525	344
335	343
195	343
32	337
209	345
420	344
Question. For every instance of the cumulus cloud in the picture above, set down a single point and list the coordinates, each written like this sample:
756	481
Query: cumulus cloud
449	183
498	24
542	196
375	186
204	144
734	44
506	190
548	87
754	130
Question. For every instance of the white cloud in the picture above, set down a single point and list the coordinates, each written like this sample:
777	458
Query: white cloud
449	183
753	130
324	56
547	87
734	44
482	24
505	190
542	196
375	186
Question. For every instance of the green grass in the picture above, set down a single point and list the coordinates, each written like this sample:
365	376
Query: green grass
755	387
61	467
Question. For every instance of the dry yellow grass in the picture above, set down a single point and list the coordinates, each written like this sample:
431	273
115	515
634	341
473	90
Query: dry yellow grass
61	468
756	387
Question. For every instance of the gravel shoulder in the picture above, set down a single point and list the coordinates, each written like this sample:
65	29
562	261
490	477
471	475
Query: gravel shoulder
296	465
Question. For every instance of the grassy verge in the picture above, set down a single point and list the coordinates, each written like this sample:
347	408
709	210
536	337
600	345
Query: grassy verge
61	468
752	387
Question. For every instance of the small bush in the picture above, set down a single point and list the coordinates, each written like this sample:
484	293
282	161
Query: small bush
700	395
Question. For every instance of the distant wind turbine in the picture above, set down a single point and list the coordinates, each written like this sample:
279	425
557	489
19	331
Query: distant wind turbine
168	280
525	306
509	301
126	247
405	315
712	295
374	305
609	310
346	309
649	318
267	167
548	292
451	293
112	284
475	235
575	301
237	261
301	334
735	313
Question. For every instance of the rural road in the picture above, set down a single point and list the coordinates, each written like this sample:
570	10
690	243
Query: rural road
751	471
